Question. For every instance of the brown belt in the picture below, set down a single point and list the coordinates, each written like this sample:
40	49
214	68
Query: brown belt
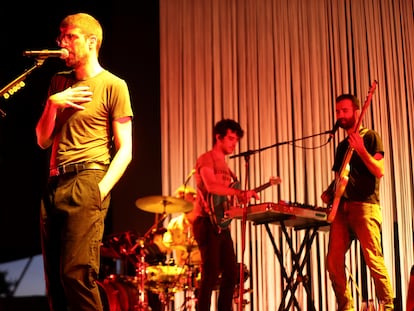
76	168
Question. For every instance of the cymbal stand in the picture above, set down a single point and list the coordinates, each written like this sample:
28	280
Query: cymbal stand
166	297
156	224
142	280
190	298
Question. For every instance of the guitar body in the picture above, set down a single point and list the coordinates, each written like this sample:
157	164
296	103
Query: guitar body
339	191
219	204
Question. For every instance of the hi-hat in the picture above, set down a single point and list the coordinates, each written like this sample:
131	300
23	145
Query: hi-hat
163	204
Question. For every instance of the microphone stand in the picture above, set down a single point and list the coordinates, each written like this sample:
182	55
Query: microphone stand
243	233
18	83
250	152
246	155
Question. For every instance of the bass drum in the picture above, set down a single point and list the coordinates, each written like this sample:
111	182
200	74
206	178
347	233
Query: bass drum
119	293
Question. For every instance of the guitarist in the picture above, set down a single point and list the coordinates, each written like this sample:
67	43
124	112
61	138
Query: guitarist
213	176
359	212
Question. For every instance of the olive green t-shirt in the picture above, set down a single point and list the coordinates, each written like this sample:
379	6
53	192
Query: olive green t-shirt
86	135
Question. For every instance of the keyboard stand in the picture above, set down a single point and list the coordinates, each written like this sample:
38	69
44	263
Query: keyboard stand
292	281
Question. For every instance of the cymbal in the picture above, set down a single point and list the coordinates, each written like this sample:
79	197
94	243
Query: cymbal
163	204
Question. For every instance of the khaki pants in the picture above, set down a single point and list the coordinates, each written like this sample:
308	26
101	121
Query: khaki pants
362	221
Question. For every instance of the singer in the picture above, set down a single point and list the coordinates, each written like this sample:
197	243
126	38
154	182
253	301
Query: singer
359	212
84	105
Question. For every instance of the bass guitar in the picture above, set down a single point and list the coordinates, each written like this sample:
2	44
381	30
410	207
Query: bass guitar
219	204
342	177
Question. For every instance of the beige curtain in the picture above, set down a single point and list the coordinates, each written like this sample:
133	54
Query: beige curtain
276	66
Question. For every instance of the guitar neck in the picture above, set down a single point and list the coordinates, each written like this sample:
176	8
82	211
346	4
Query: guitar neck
365	106
263	187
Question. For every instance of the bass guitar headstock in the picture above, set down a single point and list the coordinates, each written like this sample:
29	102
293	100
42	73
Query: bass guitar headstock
275	180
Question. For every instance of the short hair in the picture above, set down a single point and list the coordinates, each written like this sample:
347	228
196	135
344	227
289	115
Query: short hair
88	24
353	98
222	126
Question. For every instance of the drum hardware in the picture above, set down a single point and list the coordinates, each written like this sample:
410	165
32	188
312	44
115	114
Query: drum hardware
109	252
166	281
188	247
121	250
142	278
236	297
163	204
193	273
131	250
119	245
163	278
190	288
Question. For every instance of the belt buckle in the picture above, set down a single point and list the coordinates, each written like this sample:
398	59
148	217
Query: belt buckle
65	168
81	166
74	168
61	170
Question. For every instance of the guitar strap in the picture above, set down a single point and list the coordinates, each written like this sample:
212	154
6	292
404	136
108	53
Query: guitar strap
233	176
203	200
362	133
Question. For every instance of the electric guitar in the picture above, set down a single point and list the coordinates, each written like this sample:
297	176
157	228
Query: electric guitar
343	175
219	204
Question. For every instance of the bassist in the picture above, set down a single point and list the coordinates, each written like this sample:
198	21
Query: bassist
359	212
213	176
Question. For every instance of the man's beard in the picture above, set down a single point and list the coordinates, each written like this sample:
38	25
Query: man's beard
347	124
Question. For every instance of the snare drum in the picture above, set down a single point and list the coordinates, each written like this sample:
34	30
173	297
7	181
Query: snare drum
164	278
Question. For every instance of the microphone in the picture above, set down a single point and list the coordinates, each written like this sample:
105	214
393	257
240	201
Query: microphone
62	53
333	131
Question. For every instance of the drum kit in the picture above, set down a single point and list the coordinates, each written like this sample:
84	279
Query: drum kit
129	292
141	278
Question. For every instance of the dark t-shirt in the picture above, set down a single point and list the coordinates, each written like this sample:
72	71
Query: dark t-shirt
86	135
362	185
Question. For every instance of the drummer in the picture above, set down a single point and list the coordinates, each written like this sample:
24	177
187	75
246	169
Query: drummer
179	237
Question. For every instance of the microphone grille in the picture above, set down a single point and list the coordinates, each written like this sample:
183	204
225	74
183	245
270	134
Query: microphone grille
65	53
